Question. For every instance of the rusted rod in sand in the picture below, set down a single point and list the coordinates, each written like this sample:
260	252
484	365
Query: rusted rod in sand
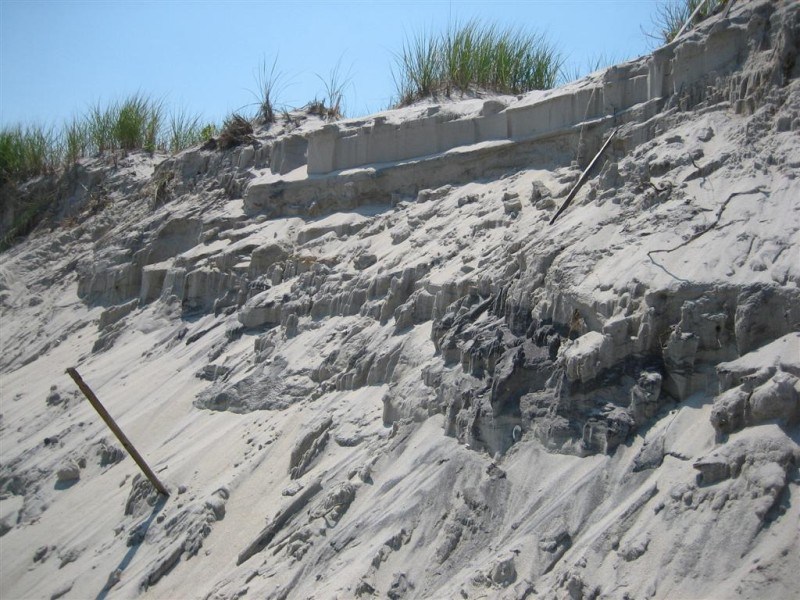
584	176
117	431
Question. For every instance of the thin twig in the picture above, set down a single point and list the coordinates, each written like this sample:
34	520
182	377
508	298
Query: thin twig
667	186
759	190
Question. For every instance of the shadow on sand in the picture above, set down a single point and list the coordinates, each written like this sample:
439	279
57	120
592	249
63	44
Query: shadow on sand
126	560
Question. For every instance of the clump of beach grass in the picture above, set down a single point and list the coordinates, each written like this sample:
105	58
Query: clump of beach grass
331	107
236	130
475	57
184	130
27	152
670	16
75	140
137	122
269	85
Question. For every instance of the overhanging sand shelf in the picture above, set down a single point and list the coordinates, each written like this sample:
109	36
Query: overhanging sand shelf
427	146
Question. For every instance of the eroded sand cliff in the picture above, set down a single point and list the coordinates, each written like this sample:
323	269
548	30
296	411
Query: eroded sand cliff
365	364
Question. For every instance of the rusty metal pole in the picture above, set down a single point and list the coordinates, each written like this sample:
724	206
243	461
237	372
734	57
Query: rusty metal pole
584	176
117	431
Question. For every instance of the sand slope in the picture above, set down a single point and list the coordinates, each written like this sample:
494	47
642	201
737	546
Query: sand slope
397	379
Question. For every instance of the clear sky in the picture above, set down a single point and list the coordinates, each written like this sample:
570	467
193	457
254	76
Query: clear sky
58	57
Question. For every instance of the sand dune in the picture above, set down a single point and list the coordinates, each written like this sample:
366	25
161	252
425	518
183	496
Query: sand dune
364	363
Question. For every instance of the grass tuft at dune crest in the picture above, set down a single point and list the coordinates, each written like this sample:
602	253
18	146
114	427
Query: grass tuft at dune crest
473	57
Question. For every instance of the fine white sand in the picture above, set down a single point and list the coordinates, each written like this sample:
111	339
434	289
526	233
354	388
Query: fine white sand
304	343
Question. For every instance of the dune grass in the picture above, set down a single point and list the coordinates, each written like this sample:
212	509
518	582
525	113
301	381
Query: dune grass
474	57
331	107
574	71
137	122
236	130
24	154
27	152
75	141
419	70
185	130
269	86
671	15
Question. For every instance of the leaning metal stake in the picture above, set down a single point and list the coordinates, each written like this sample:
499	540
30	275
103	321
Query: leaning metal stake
584	176
117	431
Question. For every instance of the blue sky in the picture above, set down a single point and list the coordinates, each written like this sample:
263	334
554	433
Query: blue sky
61	56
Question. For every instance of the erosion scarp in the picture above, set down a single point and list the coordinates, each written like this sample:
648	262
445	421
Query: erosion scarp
365	364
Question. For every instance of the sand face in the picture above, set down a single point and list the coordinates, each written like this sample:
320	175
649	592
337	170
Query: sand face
397	379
